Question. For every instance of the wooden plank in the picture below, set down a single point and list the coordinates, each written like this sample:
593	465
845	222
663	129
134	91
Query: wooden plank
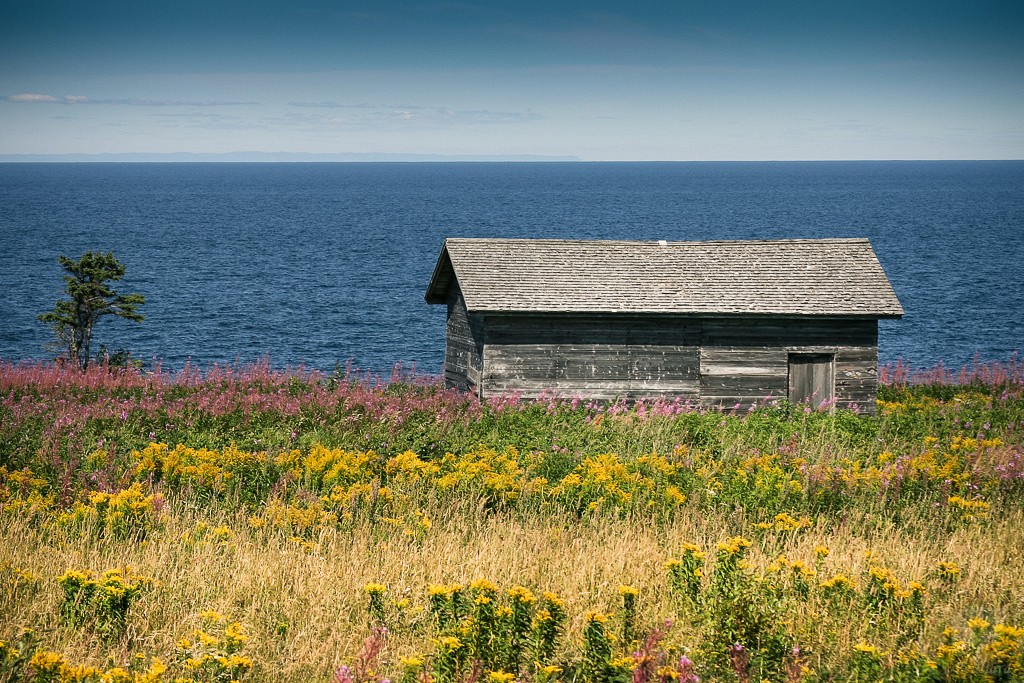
856	333
591	329
730	354
743	384
519	383
851	374
602	392
718	370
462	355
857	354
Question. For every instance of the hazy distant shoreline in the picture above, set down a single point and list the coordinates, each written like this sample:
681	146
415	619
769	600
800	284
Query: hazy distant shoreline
272	157
373	157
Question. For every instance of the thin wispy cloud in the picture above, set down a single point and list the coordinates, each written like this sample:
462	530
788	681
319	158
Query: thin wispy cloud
39	98
365	114
359	105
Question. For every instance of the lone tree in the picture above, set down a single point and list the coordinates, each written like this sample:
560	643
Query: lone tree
89	298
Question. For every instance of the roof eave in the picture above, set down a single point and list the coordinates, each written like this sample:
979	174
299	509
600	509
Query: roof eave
859	315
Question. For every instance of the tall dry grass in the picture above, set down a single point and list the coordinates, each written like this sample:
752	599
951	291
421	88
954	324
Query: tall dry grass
306	611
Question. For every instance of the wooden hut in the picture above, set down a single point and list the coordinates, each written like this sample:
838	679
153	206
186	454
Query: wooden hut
717	323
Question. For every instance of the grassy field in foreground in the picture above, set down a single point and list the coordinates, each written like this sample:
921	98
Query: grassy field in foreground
256	525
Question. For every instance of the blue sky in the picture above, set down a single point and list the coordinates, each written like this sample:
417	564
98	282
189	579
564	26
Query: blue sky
593	79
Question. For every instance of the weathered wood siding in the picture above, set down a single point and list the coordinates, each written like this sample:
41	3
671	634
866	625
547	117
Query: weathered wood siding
463	358
724	362
744	361
596	356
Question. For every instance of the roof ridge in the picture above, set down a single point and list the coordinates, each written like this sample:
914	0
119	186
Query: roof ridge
559	240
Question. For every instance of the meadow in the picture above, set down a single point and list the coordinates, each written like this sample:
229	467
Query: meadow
259	525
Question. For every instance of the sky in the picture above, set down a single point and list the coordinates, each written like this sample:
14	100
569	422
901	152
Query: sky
595	80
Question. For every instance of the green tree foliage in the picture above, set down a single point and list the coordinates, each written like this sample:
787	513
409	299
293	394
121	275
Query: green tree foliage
90	297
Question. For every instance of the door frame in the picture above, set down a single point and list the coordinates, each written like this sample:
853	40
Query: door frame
830	381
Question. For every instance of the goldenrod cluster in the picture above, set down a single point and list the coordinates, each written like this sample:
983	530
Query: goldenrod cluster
214	652
52	667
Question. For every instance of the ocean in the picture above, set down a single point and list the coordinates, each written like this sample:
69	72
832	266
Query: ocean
321	264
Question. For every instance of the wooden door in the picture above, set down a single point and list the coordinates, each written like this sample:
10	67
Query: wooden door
811	378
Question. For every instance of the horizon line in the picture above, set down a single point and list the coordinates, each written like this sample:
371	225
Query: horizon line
400	157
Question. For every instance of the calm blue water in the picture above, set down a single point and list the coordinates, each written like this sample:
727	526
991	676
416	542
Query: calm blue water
322	263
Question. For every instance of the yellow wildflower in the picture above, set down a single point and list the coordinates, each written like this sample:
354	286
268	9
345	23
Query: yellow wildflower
625	663
692	549
864	648
733	545
213	615
553	599
45	662
523	595
1009	632
977	624
116	675
483	586
206	638
450	643
239	662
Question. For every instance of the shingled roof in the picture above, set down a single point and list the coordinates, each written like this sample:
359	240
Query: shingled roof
821	277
